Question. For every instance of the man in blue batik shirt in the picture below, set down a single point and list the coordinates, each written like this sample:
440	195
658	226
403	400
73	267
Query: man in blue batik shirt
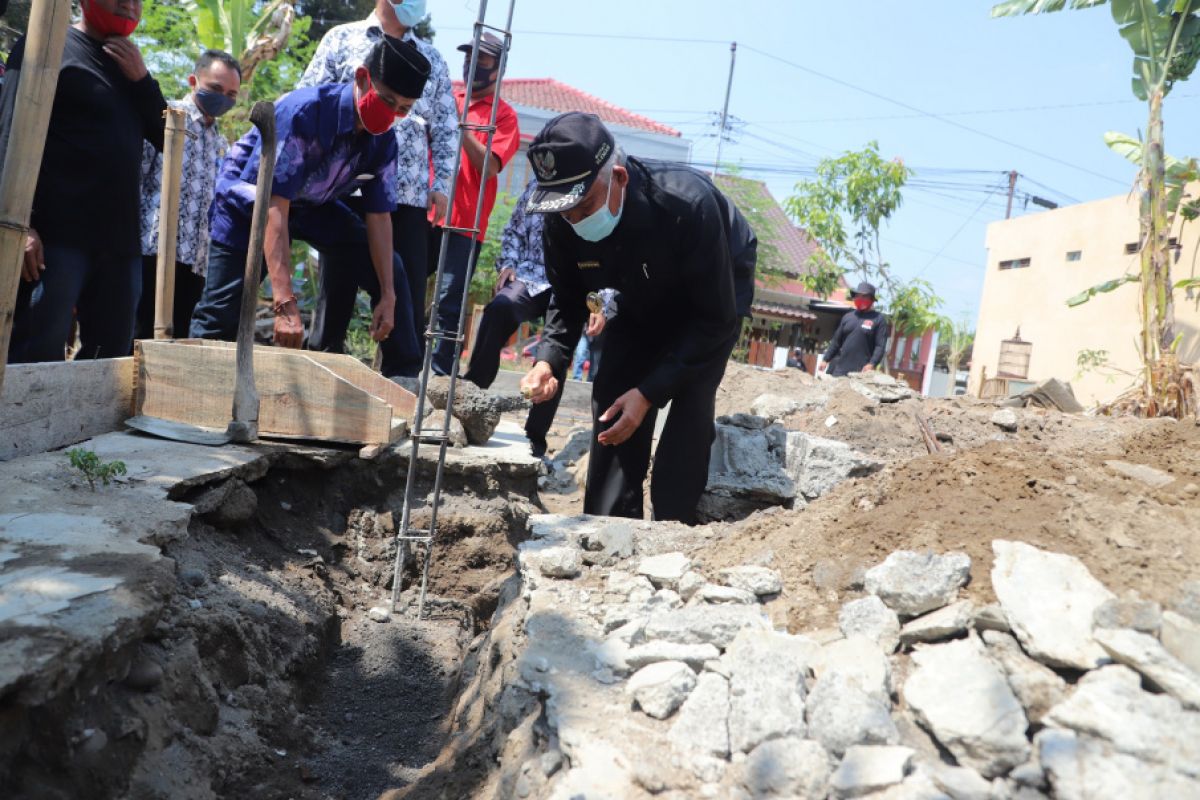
329	143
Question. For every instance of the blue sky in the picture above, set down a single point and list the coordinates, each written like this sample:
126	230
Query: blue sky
1051	84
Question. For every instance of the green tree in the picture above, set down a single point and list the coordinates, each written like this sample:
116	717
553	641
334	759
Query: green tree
957	339
843	209
1165	38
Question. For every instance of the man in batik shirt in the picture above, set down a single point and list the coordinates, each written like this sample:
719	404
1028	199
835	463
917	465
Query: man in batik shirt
215	83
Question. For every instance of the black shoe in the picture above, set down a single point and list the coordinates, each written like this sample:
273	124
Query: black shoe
537	447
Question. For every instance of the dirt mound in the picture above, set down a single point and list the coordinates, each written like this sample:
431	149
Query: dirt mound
1129	535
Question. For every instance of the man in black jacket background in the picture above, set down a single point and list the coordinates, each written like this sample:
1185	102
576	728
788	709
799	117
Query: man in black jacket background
860	341
682	258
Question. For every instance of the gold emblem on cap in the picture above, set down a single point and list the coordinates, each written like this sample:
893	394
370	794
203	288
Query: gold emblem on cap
543	162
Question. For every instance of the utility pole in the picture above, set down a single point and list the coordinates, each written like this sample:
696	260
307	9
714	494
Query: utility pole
725	110
1012	188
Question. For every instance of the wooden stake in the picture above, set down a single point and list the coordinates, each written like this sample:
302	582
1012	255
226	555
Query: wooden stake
168	222
48	22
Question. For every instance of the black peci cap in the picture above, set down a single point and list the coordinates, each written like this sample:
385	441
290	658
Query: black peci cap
398	65
489	44
865	290
567	156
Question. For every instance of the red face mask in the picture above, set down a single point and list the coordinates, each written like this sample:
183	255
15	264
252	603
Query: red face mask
376	115
106	22
863	303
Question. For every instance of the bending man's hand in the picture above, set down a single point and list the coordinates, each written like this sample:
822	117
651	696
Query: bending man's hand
383	317
34	261
539	384
289	328
632	407
437	204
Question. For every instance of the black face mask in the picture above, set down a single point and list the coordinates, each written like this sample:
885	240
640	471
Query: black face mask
483	77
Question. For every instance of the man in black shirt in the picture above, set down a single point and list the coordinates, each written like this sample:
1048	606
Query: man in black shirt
861	337
83	252
682	259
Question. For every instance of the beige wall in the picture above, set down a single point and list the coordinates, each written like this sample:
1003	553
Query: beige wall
1034	298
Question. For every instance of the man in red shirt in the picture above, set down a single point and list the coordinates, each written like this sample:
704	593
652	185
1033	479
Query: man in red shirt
461	248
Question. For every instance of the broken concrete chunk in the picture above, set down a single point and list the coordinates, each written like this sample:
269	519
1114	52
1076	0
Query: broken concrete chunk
1006	420
694	655
1038	687
228	503
766	686
745	470
379	614
665	570
1049	600
762	581
1081	768
1187	601
859	659
991	618
773	406
914	583
689	584
1129	611
961	783
1148	476
945	623
789	767
716	625
661	688
963	698
1181	637
478	411
714	595
841	714
869	768
869	617
634	588
614	540
554	562
816	465
1145	654
702	724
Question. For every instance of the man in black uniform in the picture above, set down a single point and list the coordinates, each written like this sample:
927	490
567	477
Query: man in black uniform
682	259
861	337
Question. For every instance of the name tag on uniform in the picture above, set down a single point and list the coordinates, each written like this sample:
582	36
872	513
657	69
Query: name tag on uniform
366	176
868	324
588	265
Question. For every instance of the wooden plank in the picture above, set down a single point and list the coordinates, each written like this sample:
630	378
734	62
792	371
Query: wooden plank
299	398
349	368
52	405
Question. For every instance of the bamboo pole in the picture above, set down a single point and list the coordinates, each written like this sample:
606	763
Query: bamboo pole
44	42
168	222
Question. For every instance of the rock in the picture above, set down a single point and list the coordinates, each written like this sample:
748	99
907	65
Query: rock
945	623
1030	774
1049	600
1143	653
477	410
613	541
1129	612
228	503
861	660
960	695
717	625
1181	637
816	465
991	618
379	614
1187	601
914	583
841	714
193	577
869	768
1148	476
1084	768
869	617
750	422
1110	704
745	470
1006	420
960	783
144	675
634	588
702	724
766	686
665	570
576	447
689	584
879	387
694	655
762	581
714	595
661	688
1038	687
435	421
785	768
773	406
554	562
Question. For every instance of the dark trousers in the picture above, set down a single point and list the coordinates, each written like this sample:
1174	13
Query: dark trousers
347	267
511	306
616	473
100	288
460	251
188	287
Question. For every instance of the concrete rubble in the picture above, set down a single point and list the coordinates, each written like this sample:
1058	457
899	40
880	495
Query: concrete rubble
704	698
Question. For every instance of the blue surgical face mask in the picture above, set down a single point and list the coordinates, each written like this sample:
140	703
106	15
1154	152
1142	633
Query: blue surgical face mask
213	104
410	12
602	221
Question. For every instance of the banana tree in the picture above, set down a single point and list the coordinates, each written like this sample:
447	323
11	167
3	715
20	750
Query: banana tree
1165	38
957	338
241	27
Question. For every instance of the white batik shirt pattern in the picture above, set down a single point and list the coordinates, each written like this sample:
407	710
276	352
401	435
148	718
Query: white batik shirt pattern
203	150
430	127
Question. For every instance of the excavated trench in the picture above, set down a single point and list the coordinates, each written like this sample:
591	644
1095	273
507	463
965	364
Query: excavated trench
264	676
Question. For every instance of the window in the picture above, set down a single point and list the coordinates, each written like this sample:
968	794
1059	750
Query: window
1015	263
1131	249
915	355
1074	255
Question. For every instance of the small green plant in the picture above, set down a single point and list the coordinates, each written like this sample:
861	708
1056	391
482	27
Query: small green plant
87	462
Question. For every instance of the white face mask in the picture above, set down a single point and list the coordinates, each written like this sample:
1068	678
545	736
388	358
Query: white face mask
600	223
